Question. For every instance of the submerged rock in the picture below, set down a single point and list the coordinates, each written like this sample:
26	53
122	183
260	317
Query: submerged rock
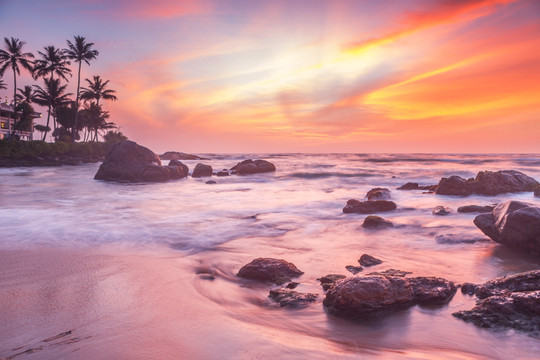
354	269
247	167
441	211
127	161
368	260
506	302
415	186
378	194
369	207
476	209
376	222
328	280
391	272
459	239
513	223
202	170
487	183
269	270
175	155
292	298
223	173
432	290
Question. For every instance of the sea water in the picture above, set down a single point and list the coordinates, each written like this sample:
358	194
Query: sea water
294	214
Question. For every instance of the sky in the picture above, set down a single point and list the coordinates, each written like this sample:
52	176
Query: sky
258	76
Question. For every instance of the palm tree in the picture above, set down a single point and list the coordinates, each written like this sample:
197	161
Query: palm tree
80	51
53	61
26	94
54	94
12	57
96	119
96	90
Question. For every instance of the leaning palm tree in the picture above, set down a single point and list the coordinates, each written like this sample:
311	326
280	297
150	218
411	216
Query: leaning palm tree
80	51
26	94
54	94
96	90
12	57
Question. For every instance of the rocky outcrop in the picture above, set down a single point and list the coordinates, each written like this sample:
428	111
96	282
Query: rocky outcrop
329	280
369	207
202	170
459	239
368	260
292	298
441	211
129	162
247	167
487	183
506	302
175	155
513	223
378	194
415	186
476	208
269	270
368	296
376	222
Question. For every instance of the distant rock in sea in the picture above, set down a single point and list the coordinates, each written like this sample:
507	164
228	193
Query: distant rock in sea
378	194
441	211
175	155
415	186
369	207
202	170
269	270
476	208
249	166
376	222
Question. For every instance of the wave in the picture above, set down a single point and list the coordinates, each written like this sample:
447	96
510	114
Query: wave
324	175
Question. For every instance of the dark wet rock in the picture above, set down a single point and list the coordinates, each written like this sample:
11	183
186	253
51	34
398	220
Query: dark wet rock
476	209
513	223
269	270
487	183
459	239
469	288
518	310
441	210
328	280
378	194
391	272
432	290
376	222
368	260
537	191
369	207
223	173
526	281
127	161
175	155
178	163
415	186
211	182
292	298
202	170
292	285
247	167
354	269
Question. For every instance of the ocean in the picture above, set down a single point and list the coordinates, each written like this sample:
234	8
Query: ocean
293	214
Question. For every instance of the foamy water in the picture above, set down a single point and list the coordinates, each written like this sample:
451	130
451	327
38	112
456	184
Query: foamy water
294	214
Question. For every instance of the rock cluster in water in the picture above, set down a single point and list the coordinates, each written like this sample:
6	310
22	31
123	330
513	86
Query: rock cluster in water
513	223
506	302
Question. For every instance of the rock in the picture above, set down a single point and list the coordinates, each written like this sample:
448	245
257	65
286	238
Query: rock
369	207
537	191
441	210
487	183
415	186
368	296
253	167
368	260
513	223
365	296
178	163
291	298
527	281
354	269
328	280
376	222
223	173
432	290
127	161
269	270
518	310
175	155
292	285
469	288
202	170
459	239
378	194
392	272
476	209
211	182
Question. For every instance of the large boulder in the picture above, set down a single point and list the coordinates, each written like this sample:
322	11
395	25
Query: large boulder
487	183
269	270
378	194
247	167
506	302
202	170
513	223
369	207
127	161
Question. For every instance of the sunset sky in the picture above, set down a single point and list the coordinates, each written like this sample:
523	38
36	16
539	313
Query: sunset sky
305	75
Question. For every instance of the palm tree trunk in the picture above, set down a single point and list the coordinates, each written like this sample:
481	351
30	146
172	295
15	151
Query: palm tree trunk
76	104
48	117
14	103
